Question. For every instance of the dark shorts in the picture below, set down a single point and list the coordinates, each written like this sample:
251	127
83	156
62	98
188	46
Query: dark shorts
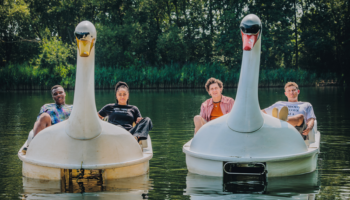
301	128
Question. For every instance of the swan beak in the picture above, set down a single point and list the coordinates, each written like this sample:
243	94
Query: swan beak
249	41
84	47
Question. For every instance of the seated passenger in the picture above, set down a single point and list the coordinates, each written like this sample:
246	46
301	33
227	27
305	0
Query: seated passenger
299	114
124	115
53	113
214	107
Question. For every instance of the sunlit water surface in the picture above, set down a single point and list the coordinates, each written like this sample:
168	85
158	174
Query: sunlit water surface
172	114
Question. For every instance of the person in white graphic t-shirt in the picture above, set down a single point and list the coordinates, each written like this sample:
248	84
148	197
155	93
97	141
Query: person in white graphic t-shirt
297	113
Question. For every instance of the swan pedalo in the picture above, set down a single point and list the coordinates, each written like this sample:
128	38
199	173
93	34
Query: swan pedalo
84	143
246	141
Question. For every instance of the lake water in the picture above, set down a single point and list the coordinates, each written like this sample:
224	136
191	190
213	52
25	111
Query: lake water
172	114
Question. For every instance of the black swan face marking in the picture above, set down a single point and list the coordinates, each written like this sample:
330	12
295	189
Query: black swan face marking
251	31
82	35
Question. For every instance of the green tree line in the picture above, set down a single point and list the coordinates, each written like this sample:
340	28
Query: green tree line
173	36
168	76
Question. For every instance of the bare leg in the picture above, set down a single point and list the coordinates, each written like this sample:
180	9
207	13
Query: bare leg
283	114
43	122
198	123
274	112
296	120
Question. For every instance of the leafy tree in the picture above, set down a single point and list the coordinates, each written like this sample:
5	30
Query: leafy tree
17	40
326	50
297	34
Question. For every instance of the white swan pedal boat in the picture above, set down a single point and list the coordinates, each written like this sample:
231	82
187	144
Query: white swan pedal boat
247	141
84	142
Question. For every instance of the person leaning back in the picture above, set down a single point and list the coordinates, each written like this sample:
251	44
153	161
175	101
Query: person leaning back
53	113
217	106
124	115
297	113
50	114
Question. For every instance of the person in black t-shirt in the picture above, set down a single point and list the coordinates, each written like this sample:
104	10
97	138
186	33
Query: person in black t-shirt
124	115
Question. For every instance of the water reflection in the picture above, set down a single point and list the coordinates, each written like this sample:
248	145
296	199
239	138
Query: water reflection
126	188
172	112
252	187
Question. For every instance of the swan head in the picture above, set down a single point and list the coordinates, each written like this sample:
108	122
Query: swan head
251	29
85	33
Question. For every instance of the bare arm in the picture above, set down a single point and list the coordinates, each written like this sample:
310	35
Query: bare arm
310	125
100	116
138	120
296	120
264	111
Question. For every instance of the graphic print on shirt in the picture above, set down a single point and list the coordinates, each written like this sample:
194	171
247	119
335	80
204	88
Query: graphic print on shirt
293	110
121	115
121	110
58	113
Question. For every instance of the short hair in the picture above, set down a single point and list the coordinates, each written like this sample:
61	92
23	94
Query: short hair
212	81
291	84
55	87
122	85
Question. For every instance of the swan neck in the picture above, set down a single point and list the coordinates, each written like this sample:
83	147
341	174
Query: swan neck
246	115
83	122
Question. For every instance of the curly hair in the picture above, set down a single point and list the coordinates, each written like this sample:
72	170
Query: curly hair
121	85
211	81
291	84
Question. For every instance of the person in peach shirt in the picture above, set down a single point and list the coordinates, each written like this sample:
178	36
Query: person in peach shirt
217	106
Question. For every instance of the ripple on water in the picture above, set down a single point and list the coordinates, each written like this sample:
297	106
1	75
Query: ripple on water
172	115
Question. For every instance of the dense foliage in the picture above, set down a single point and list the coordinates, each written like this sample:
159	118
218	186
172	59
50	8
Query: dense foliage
147	76
170	35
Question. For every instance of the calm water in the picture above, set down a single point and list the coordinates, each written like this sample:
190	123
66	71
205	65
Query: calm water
172	113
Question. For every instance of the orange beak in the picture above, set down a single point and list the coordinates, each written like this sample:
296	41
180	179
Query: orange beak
249	41
84	47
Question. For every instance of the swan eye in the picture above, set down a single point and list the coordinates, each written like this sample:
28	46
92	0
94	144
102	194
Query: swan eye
250	29
82	35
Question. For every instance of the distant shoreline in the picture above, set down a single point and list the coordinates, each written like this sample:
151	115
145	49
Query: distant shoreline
195	75
23	88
